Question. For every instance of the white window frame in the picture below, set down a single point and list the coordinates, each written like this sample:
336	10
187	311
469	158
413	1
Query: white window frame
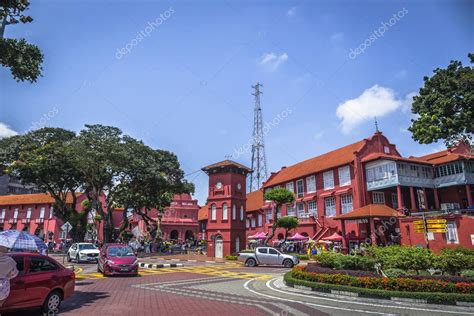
452	236
260	220
290	186
386	149
290	210
62	234
234	212
394	200
328	180
344	175
346	203
300	188
28	213
225	215
278	210
300	210
268	216
15	213
311	184
3	213
330	206
42	211
252	222
51	212
213	212
313	210
247	223
378	197
241	212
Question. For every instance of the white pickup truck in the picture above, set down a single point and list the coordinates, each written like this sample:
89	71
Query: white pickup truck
267	255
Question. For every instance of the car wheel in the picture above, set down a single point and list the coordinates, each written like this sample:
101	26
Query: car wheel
287	263
68	258
251	263
52	303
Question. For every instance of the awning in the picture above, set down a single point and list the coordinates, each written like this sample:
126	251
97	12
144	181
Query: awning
326	194
260	235
309	197
333	237
298	237
343	191
370	211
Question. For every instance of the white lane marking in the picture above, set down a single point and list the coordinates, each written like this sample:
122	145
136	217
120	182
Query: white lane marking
367	304
306	303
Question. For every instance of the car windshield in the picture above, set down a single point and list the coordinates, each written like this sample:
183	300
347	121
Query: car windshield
120	252
87	247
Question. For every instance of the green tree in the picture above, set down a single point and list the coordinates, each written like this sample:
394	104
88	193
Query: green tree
454	260
288	223
278	196
45	157
445	106
23	59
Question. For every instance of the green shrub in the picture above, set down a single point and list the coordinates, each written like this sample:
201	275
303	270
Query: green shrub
302	257
404	258
230	257
247	251
454	260
394	273
345	262
468	274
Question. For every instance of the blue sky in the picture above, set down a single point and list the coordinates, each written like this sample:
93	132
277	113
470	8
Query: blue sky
178	74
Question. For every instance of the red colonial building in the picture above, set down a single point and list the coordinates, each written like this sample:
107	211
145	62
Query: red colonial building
225	208
367	191
179	221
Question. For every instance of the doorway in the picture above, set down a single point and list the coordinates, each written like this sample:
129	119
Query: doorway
219	247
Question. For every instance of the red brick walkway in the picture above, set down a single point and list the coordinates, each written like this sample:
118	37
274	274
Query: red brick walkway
116	296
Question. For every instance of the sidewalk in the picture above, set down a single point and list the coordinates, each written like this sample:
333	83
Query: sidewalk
182	257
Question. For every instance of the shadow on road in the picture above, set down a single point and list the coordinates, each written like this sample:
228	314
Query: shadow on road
81	299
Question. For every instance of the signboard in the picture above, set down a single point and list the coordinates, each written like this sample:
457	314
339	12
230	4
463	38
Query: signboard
430	226
66	227
436	221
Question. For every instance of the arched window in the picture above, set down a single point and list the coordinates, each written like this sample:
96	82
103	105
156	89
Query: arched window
234	212
237	244
213	212
241	212
224	211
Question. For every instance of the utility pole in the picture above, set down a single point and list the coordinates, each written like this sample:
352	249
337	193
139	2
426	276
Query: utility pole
259	160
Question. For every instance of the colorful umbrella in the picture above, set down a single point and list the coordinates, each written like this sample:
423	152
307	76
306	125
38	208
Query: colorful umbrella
298	237
20	240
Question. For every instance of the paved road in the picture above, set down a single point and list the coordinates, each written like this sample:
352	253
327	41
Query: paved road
219	289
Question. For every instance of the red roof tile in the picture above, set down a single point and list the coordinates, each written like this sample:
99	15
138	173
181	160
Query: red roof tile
35	198
375	156
254	201
203	213
370	210
226	163
338	157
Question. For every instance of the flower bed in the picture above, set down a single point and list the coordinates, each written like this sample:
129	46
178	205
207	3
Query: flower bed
315	268
388	284
432	297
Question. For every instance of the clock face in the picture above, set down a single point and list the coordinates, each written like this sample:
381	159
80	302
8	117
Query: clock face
239	186
219	185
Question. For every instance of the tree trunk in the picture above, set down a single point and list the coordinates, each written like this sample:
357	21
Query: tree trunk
274	226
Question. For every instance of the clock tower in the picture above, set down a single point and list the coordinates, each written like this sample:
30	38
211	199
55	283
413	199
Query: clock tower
226	208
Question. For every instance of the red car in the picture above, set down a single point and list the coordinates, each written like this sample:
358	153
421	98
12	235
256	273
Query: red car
117	259
41	282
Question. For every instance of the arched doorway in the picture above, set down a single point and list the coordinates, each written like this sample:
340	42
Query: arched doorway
188	235
174	234
280	236
219	247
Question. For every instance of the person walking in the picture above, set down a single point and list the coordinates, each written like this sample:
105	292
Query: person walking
8	271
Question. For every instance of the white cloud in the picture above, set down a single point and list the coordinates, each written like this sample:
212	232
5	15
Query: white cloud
376	101
291	13
6	131
272	61
337	37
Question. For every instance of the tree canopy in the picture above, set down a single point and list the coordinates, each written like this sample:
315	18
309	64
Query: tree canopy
23	59
445	106
288	223
279	196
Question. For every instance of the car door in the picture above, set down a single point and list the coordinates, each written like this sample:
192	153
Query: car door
41	276
17	297
262	255
274	256
73	251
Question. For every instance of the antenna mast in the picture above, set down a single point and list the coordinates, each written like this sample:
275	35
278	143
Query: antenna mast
259	160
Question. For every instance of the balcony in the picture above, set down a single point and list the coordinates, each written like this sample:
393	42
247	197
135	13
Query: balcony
12	221
39	220
25	221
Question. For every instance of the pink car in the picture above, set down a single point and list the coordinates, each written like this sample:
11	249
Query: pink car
42	282
117	259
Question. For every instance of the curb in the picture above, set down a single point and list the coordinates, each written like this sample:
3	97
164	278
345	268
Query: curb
159	265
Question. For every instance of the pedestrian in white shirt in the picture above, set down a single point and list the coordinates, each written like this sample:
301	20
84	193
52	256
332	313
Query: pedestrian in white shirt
8	271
